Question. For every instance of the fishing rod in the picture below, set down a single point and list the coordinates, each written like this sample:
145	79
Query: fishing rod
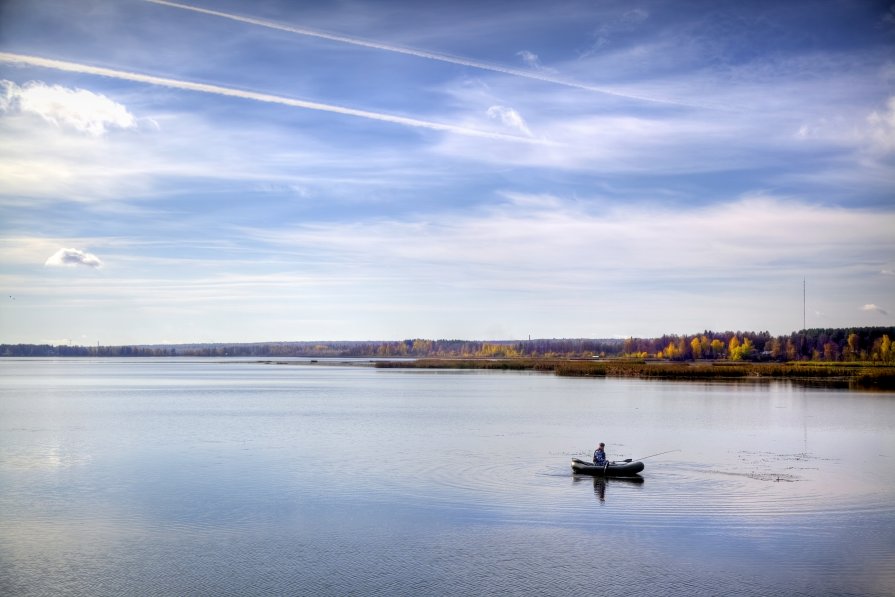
650	456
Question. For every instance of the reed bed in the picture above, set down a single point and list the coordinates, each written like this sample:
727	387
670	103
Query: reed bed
504	364
861	375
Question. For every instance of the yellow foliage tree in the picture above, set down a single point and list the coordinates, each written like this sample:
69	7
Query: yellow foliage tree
732	346
421	347
671	351
704	346
497	351
852	349
740	351
696	347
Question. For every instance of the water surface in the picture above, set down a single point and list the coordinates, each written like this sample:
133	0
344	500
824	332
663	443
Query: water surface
178	476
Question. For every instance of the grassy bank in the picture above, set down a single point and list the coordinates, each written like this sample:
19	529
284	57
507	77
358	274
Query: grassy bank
855	375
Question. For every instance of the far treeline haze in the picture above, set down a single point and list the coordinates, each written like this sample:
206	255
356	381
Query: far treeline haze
839	344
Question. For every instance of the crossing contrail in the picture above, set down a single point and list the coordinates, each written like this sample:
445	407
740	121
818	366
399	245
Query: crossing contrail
418	53
74	67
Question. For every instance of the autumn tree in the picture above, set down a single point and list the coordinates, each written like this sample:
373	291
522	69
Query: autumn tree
852	348
704	345
696	348
671	351
421	347
885	349
717	348
831	351
732	346
739	351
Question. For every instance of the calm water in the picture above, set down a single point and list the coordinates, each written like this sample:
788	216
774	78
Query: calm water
201	477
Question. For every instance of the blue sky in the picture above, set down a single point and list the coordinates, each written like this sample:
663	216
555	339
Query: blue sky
248	171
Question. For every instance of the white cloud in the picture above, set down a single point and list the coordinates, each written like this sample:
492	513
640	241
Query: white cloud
874	308
47	165
734	240
72	258
529	58
619	143
882	127
254	96
78	109
509	117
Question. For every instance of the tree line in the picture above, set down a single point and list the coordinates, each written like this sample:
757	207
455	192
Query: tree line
819	344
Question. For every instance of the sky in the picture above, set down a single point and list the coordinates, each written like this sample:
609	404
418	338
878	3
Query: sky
224	171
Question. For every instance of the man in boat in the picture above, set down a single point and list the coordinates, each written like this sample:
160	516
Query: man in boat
600	454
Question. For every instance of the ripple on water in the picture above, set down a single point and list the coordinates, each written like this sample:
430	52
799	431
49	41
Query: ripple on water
678	493
672	493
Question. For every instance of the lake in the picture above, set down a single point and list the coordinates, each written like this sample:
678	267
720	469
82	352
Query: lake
234	477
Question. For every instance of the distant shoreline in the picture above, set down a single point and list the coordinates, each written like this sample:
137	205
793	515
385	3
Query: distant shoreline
856	375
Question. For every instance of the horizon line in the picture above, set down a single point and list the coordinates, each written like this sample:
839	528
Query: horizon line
399	340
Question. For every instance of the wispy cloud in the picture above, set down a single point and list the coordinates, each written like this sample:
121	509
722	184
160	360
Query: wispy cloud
73	258
620	239
453	194
254	96
78	109
47	164
874	308
530	59
509	117
626	22
882	126
538	75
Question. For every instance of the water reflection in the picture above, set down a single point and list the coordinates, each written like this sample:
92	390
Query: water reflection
601	483
200	477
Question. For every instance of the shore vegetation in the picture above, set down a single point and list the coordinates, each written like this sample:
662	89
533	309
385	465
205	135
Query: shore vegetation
856	375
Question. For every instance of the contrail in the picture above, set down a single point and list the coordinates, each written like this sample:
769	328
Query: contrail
418	53
74	67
